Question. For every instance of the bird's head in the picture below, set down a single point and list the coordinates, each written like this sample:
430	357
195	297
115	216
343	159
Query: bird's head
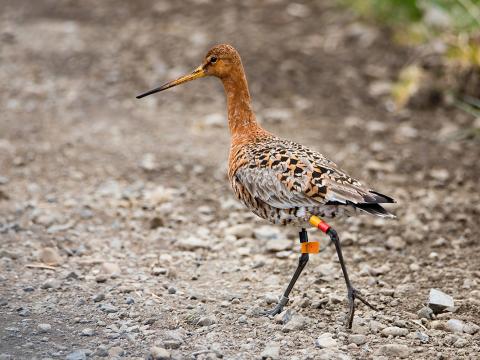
220	61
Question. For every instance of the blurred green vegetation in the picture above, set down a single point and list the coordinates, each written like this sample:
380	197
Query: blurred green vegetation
428	16
446	29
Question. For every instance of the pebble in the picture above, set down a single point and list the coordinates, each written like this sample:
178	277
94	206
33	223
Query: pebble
51	284
43	328
439	301
394	331
284	317
266	232
98	297
271	351
279	245
460	343
298	322
455	325
240	231
156	271
172	290
108	308
437	325
115	352
109	268
326	341
77	355
395	243
50	256
271	298
158	353
424	338
88	332
471	328
357	339
425	313
392	351
207	320
192	243
101	351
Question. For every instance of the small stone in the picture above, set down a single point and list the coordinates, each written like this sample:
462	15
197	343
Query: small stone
279	245
425	313
335	298
271	351
392	351
108	308
271	298
455	325
192	243
148	162
395	243
424	338
266	232
158	353
50	284
439	301
43	328
284	317
437	325
357	339
87	332
460	343
115	352
98	297
109	268
50	256
129	300
101	278
172	290
298	322
207	320
394	331
384	269
240	231
471	328
326	341
156	271
77	355
101	351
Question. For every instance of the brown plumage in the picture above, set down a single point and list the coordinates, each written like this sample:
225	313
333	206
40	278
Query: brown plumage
279	180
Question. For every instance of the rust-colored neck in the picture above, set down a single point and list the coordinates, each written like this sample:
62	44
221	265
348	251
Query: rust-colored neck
241	118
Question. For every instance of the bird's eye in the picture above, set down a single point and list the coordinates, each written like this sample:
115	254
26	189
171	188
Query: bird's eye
213	59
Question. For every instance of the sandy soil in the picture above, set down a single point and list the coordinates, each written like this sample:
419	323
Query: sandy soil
128	200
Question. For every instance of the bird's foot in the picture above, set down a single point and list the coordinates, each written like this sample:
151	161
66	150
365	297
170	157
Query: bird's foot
352	295
278	308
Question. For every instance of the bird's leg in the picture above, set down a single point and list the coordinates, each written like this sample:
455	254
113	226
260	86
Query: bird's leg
302	261
352	292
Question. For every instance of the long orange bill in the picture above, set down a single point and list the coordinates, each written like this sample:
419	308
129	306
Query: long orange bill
196	74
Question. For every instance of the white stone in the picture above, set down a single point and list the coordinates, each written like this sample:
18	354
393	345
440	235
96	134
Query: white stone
326	341
394	331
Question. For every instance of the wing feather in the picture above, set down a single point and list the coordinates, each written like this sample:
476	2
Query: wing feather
284	175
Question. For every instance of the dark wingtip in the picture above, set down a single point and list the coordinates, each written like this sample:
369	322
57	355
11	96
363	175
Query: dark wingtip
375	209
379	198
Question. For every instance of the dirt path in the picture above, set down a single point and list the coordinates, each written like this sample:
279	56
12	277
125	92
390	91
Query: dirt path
133	197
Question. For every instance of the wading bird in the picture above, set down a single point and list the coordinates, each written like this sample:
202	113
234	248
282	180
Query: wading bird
279	180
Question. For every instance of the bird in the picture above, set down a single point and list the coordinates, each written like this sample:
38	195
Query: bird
279	180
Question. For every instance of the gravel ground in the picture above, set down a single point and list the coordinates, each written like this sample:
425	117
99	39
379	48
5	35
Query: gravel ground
120	237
